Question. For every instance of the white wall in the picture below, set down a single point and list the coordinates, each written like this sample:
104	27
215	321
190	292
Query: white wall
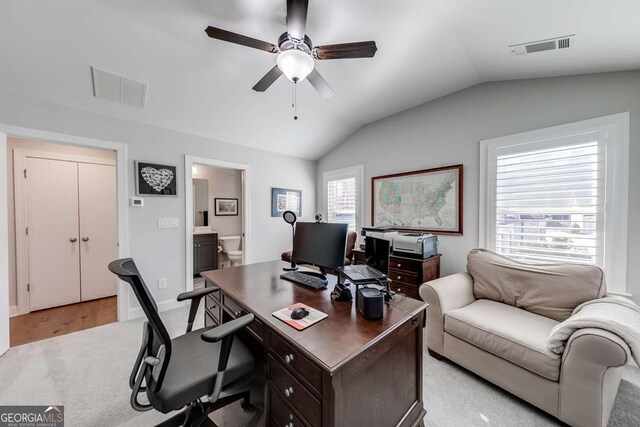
447	131
159	253
25	144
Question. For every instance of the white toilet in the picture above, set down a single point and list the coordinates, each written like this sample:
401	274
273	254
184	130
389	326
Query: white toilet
230	245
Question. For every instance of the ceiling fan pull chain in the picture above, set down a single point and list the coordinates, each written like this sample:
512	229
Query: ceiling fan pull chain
295	99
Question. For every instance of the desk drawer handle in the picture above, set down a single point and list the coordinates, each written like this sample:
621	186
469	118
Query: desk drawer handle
399	289
288	358
399	265
288	425
288	391
238	313
213	306
399	277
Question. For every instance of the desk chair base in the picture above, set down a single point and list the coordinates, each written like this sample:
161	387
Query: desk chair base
197	413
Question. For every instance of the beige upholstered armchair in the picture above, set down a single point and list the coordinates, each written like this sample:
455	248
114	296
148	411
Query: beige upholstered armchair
496	318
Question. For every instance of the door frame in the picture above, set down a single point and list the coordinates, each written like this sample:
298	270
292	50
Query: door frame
20	208
189	162
121	185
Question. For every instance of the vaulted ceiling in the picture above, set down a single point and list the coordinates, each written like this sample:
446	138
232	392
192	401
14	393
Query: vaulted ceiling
426	49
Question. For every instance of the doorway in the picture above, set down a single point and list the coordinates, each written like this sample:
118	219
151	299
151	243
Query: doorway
65	232
217	208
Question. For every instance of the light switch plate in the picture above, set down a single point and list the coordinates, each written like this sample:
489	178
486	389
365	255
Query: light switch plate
168	223
137	202
162	283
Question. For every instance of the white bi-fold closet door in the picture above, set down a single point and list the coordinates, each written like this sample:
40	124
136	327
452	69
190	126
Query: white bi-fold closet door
71	220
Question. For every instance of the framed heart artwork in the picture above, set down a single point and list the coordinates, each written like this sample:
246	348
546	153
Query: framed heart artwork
154	179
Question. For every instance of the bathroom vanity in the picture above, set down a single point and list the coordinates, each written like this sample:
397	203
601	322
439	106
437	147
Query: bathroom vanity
205	252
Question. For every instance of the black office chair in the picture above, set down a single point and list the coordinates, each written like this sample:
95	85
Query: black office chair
179	372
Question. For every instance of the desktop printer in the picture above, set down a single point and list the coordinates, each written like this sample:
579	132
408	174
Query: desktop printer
415	245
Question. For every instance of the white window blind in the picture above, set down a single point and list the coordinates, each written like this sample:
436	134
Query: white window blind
342	201
559	194
549	203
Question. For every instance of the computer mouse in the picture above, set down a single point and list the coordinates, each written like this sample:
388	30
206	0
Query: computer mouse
299	313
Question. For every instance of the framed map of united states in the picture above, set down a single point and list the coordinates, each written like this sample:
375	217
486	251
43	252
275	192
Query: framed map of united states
427	200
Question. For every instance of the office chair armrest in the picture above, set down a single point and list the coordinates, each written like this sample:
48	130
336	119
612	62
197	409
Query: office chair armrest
198	293
195	297
225	333
226	329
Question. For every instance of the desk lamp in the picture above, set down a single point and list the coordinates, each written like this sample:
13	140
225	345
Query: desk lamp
290	218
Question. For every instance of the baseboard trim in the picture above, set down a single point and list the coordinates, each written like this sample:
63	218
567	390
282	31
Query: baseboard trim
13	310
169	304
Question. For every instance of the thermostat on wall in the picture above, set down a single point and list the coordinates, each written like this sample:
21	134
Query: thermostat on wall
137	202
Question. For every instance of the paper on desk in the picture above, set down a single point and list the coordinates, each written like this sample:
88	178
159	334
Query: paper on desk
314	316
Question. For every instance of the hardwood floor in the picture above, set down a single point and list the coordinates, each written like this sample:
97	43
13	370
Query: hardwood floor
52	322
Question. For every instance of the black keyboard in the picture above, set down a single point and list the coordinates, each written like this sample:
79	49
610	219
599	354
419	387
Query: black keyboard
361	272
304	279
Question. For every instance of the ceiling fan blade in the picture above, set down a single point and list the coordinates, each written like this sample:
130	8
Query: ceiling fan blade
228	36
346	50
297	18
321	85
268	79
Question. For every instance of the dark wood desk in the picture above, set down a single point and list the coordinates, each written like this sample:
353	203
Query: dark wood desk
343	371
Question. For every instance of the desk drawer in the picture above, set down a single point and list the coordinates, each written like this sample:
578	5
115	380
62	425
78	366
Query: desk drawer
295	393
404	264
212	307
403	276
281	413
232	306
408	290
257	327
209	321
301	367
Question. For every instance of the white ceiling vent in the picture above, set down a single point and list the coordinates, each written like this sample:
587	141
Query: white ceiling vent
563	42
119	89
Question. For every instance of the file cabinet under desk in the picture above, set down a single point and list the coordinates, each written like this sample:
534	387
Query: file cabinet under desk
407	274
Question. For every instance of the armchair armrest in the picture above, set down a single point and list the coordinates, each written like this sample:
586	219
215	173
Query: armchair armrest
590	374
444	294
195	297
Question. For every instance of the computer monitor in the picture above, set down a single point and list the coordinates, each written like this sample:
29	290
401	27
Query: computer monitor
320	244
376	253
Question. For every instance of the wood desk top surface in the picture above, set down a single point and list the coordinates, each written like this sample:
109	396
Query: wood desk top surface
332	341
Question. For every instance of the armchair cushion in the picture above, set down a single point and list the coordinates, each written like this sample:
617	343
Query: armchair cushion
550	290
510	333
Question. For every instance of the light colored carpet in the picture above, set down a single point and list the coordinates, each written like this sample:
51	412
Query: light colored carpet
87	371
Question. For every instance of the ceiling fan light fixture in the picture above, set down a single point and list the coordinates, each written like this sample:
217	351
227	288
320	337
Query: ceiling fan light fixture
295	64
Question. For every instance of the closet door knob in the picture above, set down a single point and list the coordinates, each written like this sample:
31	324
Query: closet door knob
85	239
73	240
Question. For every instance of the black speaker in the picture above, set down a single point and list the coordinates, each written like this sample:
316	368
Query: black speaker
370	303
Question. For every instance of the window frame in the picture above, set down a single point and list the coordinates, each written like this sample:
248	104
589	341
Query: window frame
613	134
356	172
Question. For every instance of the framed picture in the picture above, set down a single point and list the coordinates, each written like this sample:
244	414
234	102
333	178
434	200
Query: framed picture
226	207
427	200
283	200
154	179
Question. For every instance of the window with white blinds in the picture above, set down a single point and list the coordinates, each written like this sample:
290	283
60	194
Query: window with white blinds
549	204
343	198
341	201
559	195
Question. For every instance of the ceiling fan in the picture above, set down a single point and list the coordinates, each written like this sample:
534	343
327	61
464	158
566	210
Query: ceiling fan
296	53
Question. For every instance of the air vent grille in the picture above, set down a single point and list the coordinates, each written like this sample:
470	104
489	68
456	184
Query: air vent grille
564	43
555	43
119	89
